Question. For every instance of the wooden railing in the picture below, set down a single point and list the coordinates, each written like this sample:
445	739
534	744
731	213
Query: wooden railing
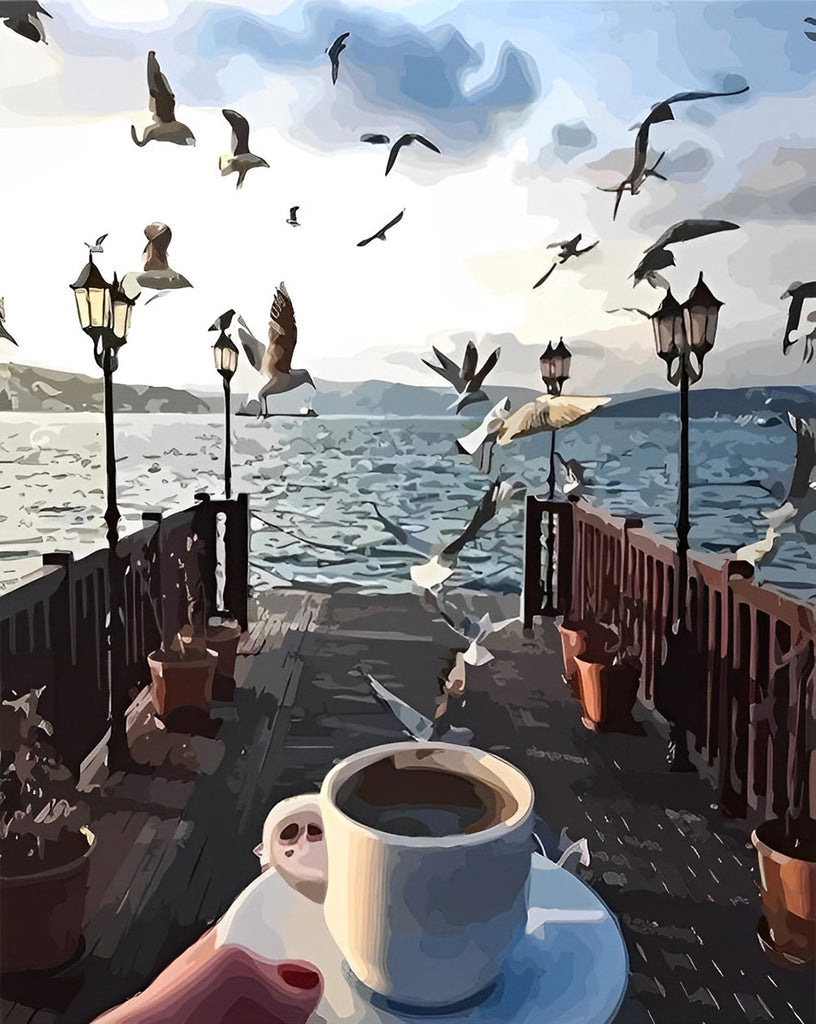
744	686
53	625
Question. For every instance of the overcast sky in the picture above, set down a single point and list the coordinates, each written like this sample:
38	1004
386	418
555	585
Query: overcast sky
530	103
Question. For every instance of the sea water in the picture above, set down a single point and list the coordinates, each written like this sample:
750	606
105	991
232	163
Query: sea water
314	484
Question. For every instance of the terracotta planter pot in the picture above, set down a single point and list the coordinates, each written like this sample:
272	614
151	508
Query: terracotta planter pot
41	914
573	644
608	694
788	886
223	639
181	682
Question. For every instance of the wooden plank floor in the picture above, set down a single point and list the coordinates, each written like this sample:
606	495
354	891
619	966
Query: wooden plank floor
680	878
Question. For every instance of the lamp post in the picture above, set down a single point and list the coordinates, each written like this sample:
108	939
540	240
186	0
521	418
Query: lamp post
226	361
104	312
683	337
555	365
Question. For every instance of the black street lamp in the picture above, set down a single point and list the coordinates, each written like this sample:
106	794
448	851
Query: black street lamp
226	362
104	312
683	337
555	366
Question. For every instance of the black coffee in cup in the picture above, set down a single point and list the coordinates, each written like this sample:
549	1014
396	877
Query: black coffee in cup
412	800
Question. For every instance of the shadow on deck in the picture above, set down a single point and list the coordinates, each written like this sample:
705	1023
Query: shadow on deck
175	851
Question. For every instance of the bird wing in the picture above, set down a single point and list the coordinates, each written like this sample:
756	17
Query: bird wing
541	280
469	362
374	137
403	140
253	349
5	334
162	99
629	309
797	297
548	412
485	511
413	137
487	366
391	223
687	97
415	724
338	45
448	369
240	131
685	230
293	212
282	334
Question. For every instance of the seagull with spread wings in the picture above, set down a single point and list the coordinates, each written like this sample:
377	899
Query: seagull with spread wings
657	257
381	233
467	381
406	140
165	127
660	112
568	250
274	360
334	52
546	413
241	160
798	293
23	17
3	332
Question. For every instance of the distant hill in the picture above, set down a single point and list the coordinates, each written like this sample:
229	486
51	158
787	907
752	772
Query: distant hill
34	389
707	403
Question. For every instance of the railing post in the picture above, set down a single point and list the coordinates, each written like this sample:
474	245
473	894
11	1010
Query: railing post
236	560
566	550
62	644
204	527
531	595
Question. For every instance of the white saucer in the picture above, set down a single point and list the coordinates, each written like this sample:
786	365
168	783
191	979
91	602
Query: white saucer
571	967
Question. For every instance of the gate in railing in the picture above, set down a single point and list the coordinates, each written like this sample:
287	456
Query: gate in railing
749	686
53	625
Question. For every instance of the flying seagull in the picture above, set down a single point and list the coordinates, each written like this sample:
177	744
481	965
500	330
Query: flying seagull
406	140
274	360
546	413
374	138
3	332
24	18
241	160
415	724
334	52
630	309
381	233
797	293
165	127
811	35
569	249
657	256
465	379
659	112
156	272
479	443
97	246
293	217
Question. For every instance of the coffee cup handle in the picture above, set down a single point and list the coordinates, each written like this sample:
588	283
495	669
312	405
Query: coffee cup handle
294	844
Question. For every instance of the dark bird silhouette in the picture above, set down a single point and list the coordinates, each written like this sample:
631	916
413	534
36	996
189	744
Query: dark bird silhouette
292	219
165	127
659	112
334	52
811	35
630	309
465	379
381	233
24	19
241	160
406	140
97	246
657	256
797	293
569	249
3	332
374	138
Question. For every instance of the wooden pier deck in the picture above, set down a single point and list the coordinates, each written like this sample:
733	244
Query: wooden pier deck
177	846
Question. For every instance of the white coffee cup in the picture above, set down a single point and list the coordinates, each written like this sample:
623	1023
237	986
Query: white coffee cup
423	920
